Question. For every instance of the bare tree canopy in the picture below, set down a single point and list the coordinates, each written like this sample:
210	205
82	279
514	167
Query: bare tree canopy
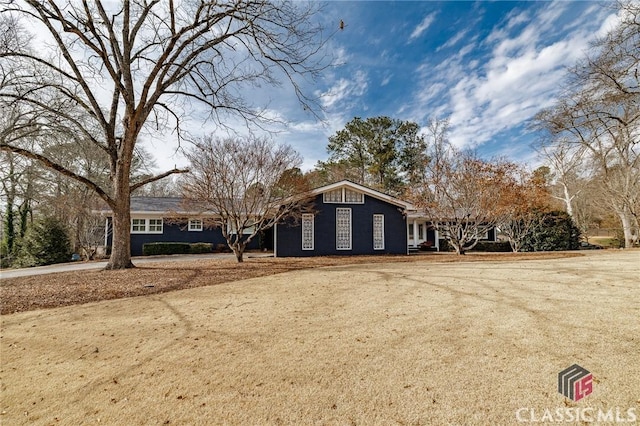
598	119
463	195
113	71
248	185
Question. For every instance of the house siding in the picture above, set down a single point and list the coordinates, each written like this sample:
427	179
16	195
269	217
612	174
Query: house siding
289	235
172	233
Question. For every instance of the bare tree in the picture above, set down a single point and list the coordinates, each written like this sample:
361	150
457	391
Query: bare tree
114	71
247	185
91	235
462	193
567	163
523	200
600	116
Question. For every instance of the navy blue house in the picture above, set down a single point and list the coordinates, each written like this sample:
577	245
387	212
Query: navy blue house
162	219
346	218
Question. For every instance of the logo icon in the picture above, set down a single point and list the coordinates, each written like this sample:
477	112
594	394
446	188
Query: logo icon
575	382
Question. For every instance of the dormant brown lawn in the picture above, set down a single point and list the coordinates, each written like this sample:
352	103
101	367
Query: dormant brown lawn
419	342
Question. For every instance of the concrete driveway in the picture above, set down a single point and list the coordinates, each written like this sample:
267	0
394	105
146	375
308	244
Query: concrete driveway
86	266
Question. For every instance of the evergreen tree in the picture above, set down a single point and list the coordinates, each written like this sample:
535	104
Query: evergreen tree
381	152
45	243
554	231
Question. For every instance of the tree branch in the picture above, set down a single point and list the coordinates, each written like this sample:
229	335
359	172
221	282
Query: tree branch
60	169
157	177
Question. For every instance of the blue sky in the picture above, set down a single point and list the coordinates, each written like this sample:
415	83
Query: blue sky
488	66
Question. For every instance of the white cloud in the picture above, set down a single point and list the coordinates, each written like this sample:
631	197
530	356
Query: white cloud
386	80
453	40
344	91
522	73
422	26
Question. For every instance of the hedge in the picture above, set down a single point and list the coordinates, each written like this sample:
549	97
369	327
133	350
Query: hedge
151	249
197	248
492	246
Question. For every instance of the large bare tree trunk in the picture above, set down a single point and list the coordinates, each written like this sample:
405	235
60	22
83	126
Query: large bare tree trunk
121	246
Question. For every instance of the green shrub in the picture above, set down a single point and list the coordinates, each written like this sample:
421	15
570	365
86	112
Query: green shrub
198	248
554	231
45	243
493	246
151	249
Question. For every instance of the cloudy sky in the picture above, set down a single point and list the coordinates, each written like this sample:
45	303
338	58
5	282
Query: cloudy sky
487	66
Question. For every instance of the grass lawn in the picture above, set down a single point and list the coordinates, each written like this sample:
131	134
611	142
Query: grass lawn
421	341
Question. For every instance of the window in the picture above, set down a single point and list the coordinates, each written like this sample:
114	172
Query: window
343	229
146	226
378	232
138	225
195	225
307	231
155	226
334	196
353	196
343	195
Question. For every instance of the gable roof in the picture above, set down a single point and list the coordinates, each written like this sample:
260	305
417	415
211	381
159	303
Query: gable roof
366	190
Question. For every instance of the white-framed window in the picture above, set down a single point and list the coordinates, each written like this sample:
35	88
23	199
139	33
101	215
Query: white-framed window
307	231
195	224
138	225
343	196
334	196
343	229
353	197
378	232
146	226
155	226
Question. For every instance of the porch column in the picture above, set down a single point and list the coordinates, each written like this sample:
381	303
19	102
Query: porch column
415	232
437	239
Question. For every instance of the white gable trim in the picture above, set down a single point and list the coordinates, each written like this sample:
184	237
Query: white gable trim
366	190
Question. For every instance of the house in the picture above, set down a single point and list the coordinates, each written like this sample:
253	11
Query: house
344	218
163	219
347	218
